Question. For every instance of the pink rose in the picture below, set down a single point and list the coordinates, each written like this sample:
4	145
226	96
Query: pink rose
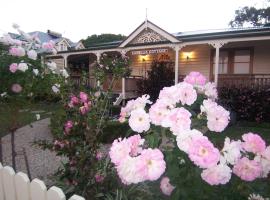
165	186
68	126
17	51
99	155
187	94
247	170
195	78
216	175
83	97
253	143
99	178
203	153
13	67
16	88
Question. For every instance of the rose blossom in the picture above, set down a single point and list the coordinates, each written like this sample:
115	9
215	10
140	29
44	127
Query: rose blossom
32	54
119	150
22	67
217	119
13	67
68	126
17	51
85	108
135	143
16	88
165	186
184	139
158	112
218	174
83	97
210	90
48	45
203	153
128	170
55	88
139	120
208	105
99	178
152	164
265	163
170	95
253	143
195	78
35	71
99	155
178	120
247	170
187	94
231	151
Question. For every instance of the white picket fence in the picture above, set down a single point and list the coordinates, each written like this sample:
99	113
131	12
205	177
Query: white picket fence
18	187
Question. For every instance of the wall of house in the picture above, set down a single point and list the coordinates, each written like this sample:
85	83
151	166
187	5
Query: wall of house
199	59
59	62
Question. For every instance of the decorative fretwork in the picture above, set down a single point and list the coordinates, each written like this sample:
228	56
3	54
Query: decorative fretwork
148	36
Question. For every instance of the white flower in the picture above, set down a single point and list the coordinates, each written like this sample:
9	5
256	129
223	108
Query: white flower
38	116
52	66
256	197
139	120
265	165
35	71
64	73
22	67
55	88
3	94
32	54
231	151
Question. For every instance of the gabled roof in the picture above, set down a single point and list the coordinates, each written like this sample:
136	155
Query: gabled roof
164	35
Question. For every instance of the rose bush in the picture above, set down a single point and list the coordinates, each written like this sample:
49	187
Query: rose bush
178	127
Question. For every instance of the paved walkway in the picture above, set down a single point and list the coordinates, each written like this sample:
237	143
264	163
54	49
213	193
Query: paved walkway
42	163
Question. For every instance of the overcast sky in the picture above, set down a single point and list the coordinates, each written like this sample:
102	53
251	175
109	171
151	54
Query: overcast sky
76	19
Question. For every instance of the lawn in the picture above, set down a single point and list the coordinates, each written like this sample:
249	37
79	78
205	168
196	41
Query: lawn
25	116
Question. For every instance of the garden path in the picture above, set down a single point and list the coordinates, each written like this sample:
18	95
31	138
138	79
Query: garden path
31	159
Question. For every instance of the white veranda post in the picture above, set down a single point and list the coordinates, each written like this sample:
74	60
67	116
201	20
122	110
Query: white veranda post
65	61
217	45
123	52
98	54
176	67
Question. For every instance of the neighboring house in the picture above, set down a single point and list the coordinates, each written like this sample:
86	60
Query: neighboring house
243	55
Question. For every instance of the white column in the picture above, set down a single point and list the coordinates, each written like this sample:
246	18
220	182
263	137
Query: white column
124	88
176	67
65	61
217	45
216	66
98	54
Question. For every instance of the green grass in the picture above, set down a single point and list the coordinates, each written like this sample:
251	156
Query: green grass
25	116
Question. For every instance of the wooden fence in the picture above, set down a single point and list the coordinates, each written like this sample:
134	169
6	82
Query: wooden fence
18	187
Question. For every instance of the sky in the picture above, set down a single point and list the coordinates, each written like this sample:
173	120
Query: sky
77	19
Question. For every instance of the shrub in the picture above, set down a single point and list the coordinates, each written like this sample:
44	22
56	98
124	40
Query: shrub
249	104
160	75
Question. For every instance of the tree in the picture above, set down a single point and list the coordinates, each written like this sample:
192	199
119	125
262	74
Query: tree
98	39
252	15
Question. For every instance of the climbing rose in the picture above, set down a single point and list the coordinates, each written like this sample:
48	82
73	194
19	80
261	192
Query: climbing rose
187	94
203	153
99	155
99	178
265	163
48	45
13	67
218	174
217	119
195	78
68	126
85	108
208	105
247	170
32	54
152	164
16	88
165	186
22	67
135	143
170	95
253	143
177	120
139	120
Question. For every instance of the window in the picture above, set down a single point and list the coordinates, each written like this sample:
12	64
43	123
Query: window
241	62
234	61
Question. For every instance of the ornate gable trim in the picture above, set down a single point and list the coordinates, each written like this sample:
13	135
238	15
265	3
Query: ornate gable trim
148	32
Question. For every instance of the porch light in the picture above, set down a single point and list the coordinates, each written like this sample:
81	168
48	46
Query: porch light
187	55
143	58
